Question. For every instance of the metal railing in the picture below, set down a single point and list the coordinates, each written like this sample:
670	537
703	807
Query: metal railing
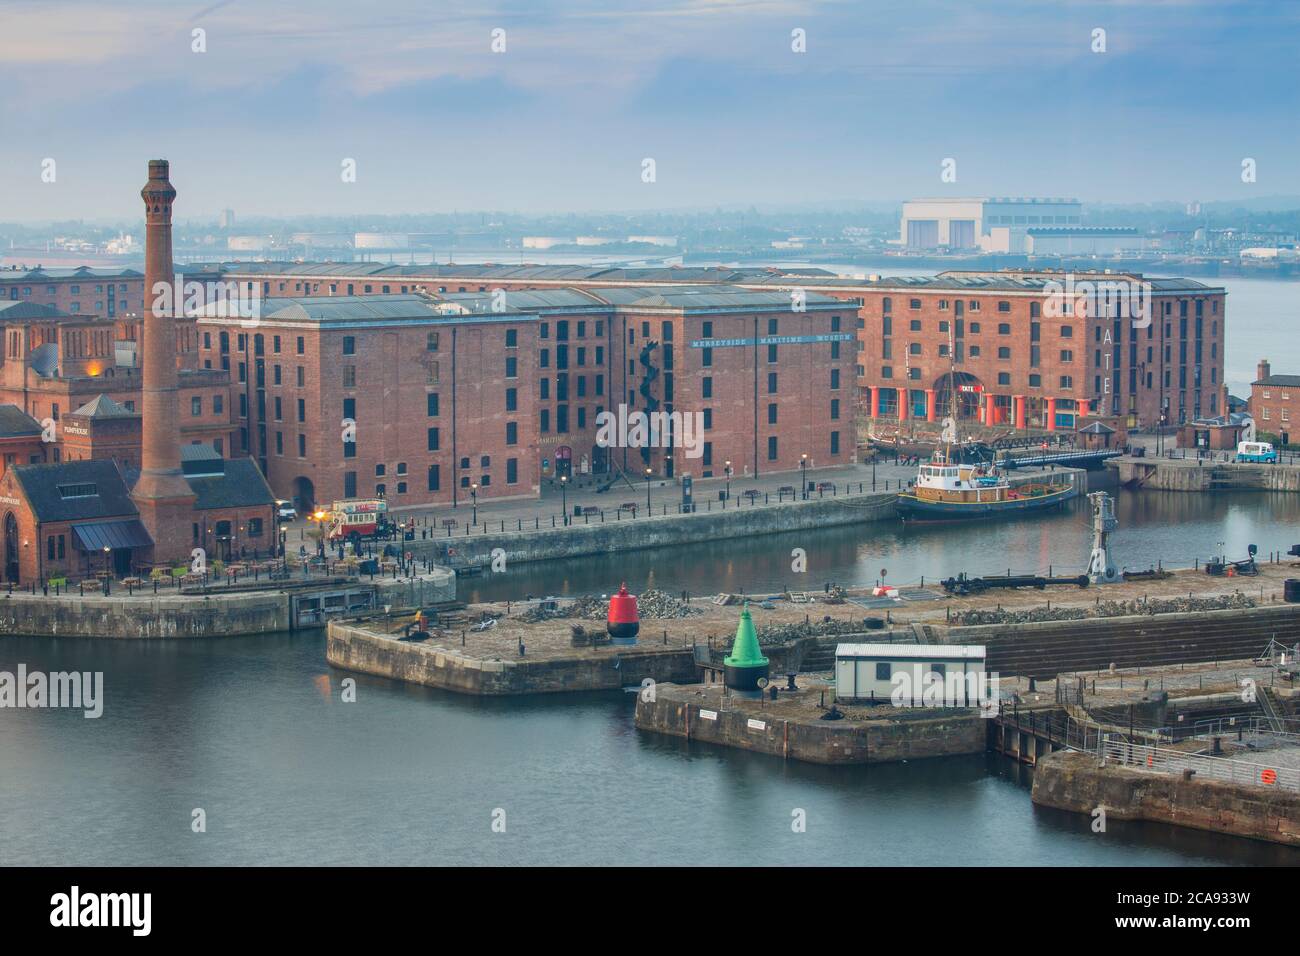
1234	727
1163	760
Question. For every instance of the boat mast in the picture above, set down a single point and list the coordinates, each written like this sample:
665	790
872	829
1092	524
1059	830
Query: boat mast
952	393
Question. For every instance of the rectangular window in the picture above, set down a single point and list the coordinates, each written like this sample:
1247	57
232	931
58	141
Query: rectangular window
431	403
433	439
771	448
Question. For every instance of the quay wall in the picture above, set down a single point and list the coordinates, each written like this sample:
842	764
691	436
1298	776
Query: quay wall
354	648
631	534
140	617
1074	781
1046	648
1190	475
742	724
259	611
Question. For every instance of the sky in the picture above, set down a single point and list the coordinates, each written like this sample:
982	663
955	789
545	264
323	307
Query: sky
263	118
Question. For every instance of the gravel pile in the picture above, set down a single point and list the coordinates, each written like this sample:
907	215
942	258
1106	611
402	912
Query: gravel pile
1104	609
651	605
772	634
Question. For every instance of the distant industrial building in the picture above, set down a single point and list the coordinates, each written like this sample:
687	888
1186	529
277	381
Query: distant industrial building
1084	241
985	225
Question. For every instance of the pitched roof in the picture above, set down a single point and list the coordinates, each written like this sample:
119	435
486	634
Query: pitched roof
16	423
44	360
1281	381
241	486
13	310
101	406
75	490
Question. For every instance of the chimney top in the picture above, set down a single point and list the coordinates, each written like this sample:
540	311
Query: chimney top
158	169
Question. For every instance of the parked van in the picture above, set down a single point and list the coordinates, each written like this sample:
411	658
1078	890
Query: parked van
1256	451
285	511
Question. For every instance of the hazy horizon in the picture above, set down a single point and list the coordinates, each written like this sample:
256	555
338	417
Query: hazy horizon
584	91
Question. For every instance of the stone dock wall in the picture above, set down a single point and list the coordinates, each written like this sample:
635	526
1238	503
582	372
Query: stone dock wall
1076	782
631	534
354	648
1190	475
195	615
744	725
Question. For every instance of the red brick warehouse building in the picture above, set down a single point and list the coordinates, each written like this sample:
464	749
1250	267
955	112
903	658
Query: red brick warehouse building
80	291
489	394
1174	367
1019	360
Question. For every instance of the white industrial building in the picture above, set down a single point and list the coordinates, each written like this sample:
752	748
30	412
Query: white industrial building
987	225
1085	241
912	675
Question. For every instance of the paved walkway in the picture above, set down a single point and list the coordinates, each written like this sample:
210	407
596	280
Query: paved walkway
664	496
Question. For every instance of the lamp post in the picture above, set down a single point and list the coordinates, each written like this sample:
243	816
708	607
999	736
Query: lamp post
319	518
283	535
107	574
648	473
803	476
727	470
473	493
564	498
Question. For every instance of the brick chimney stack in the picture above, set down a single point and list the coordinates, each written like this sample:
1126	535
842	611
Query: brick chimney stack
1263	370
161	493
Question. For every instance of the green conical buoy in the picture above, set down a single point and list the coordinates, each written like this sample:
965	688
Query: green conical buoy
745	665
744	650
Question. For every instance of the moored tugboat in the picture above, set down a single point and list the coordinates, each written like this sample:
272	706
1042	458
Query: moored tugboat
949	487
946	490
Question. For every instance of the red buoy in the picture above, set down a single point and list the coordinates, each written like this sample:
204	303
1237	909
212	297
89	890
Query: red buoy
623	623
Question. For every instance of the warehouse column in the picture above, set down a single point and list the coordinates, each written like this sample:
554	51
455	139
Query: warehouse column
1018	401
875	402
1051	414
931	413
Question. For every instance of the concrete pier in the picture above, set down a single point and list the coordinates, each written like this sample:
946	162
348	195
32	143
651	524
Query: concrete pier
1082	783
792	726
1204	475
217	611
